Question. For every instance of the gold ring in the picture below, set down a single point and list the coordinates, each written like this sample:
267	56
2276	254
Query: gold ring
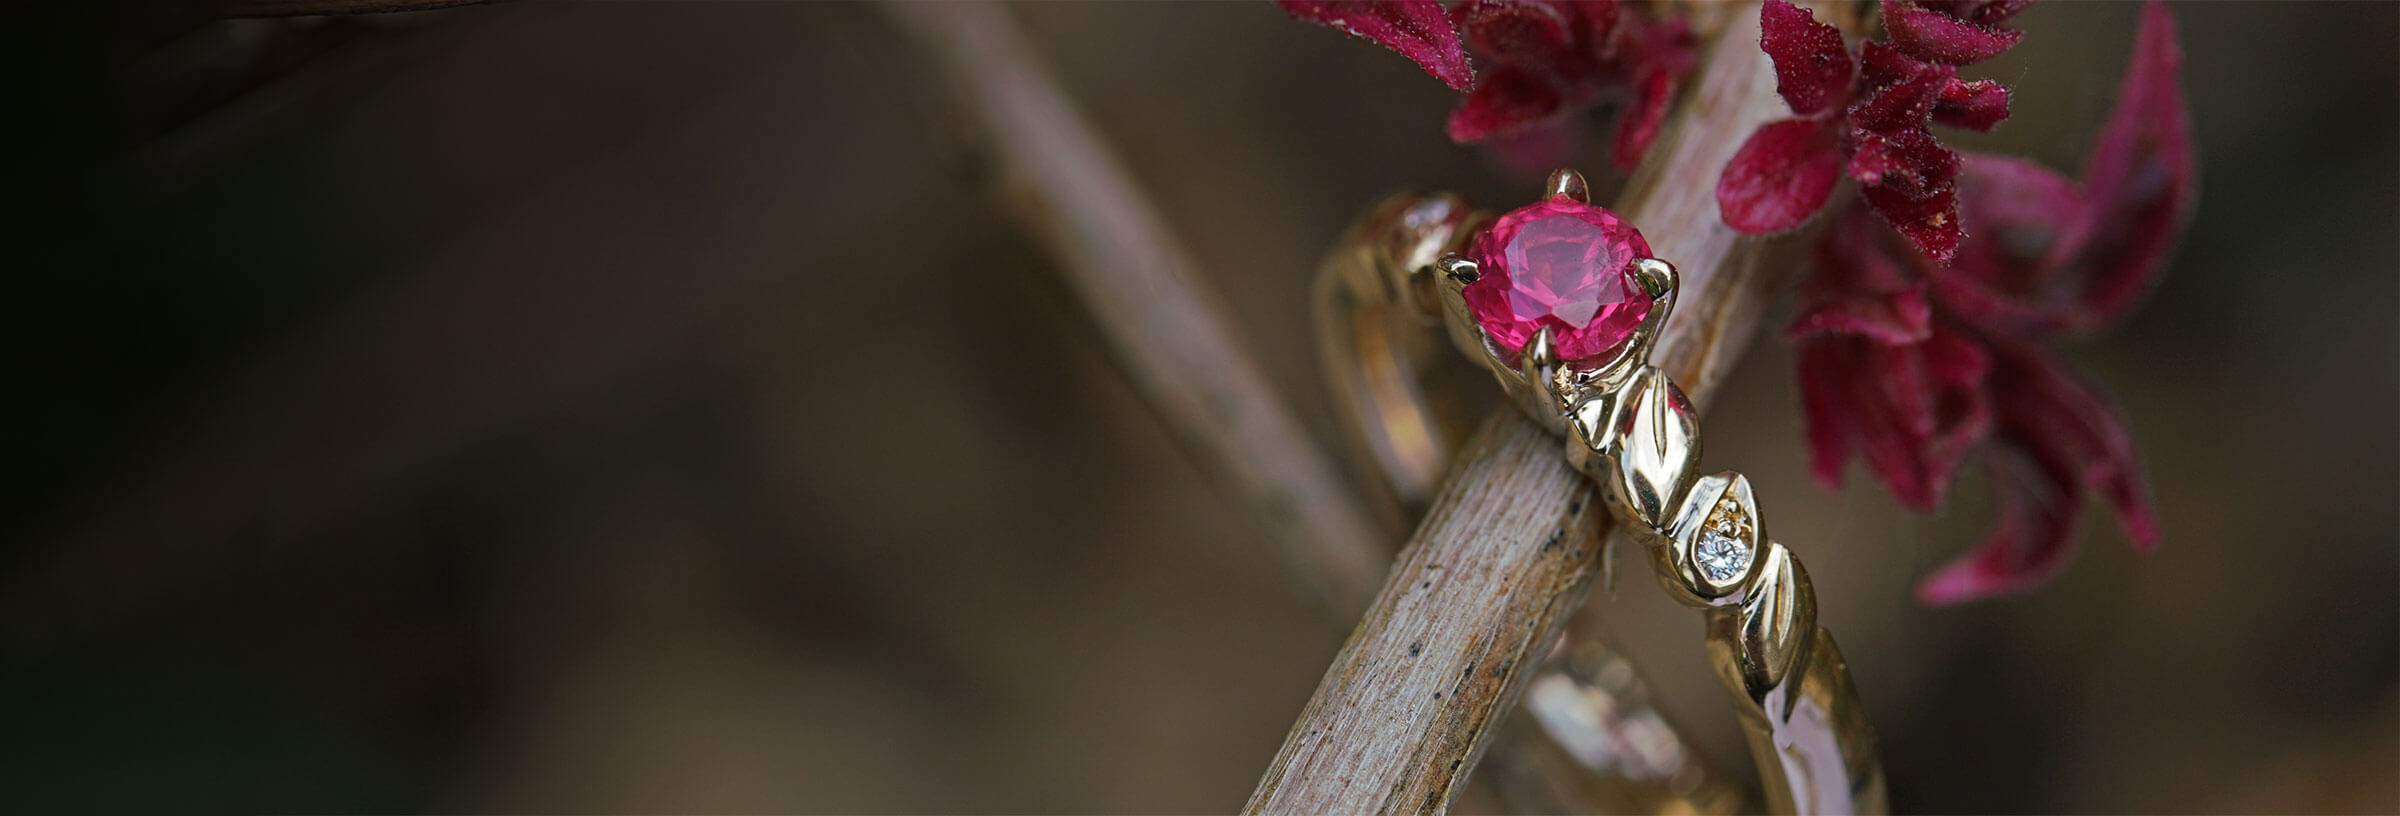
1560	301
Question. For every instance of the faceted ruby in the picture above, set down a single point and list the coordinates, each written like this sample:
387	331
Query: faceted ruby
1561	264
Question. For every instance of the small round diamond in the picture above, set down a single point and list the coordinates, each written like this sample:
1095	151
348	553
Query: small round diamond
1721	556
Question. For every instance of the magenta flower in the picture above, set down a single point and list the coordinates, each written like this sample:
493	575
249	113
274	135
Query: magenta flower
1922	345
1869	118
1420	30
1544	62
1911	363
1957	32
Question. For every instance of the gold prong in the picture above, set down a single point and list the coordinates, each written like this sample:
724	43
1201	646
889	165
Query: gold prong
1567	184
1539	365
1458	269
1661	281
1656	275
1540	352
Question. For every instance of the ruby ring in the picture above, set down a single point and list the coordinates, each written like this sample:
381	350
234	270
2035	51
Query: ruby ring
1561	301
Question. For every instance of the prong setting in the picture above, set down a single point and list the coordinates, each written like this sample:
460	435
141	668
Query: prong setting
1656	276
1540	354
1539	365
1458	269
1567	184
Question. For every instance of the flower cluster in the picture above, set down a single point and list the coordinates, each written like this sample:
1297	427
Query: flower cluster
1870	118
1911	358
1920	343
1544	62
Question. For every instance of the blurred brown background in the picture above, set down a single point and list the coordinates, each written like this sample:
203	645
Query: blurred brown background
642	406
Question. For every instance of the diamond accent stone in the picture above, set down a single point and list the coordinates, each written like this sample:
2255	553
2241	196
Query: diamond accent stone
1721	556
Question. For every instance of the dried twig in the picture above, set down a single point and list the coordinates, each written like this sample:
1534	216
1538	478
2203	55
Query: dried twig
1136	281
1502	557
1407	707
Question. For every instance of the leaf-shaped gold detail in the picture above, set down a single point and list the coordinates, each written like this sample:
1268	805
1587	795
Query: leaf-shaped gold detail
1719	505
1651	448
1760	643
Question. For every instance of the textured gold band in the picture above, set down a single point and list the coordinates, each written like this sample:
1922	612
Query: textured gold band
1632	431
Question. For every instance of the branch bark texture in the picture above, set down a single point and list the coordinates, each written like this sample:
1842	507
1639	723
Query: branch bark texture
1469	609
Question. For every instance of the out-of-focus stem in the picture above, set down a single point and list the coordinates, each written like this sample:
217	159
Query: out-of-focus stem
1137	281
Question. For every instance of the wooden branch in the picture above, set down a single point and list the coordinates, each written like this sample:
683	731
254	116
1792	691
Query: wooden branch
1138	283
1508	549
1469	608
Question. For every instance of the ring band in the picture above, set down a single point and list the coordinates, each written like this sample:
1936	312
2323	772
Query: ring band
1629	429
1371	329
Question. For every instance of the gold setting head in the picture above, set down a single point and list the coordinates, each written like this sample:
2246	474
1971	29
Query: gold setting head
1567	184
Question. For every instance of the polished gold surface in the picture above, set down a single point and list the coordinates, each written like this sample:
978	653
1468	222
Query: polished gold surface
1372	316
1630	429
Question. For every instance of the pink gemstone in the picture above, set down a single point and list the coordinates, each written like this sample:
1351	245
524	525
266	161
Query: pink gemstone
1564	265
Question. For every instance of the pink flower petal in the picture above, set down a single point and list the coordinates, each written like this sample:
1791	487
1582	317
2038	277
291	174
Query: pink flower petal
1977	105
1600	23
1418	29
1877	159
1904	388
1824	374
1918	193
2139	179
1979	12
2047	253
1909	162
1812	66
1638	125
2031	541
1929	222
1940	408
1912	411
2058	418
1899	317
1508	99
1910	177
1779	177
1958	409
1854	256
1536	149
1546	60
2059	441
2001	280
1931	35
2007	190
1880	65
1658	52
1893	450
1657	43
1906	99
1531	34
